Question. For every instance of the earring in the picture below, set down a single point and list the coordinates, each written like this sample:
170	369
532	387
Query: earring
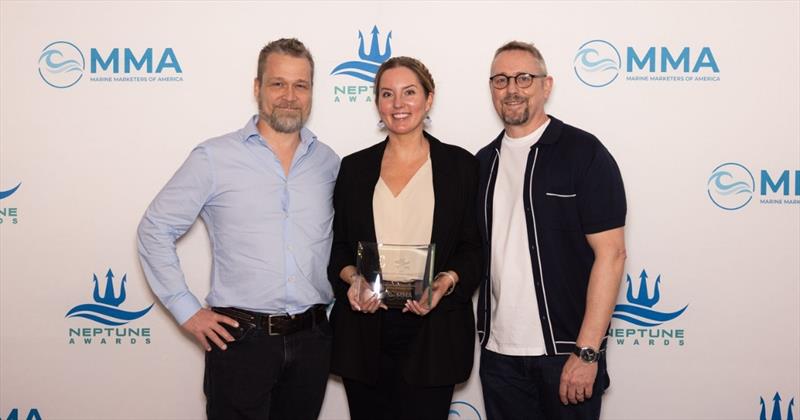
381	125
427	121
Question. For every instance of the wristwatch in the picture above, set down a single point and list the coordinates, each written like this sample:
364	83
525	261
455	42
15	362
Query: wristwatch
587	354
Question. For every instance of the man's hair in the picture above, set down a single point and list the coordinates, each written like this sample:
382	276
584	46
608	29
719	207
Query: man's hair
523	46
289	46
412	64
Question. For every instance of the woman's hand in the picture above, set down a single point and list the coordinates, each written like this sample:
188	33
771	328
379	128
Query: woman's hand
360	296
442	286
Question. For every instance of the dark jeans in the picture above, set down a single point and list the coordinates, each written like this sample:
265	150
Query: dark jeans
526	387
392	398
268	377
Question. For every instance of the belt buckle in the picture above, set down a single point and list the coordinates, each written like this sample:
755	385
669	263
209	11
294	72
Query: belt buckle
269	325
269	322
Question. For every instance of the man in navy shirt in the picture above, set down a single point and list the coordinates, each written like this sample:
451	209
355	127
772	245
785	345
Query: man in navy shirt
552	211
265	194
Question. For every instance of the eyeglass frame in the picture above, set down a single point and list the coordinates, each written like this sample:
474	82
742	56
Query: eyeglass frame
514	77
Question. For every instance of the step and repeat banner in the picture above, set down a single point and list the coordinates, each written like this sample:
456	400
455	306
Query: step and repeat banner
699	102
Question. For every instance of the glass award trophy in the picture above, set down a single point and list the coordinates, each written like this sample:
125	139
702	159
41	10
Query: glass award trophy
395	273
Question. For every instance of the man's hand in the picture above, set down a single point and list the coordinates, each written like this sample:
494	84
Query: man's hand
577	380
205	325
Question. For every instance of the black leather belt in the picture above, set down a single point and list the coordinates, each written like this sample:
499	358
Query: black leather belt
277	324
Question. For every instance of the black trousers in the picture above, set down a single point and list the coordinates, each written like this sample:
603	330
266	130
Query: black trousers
392	397
269	377
526	387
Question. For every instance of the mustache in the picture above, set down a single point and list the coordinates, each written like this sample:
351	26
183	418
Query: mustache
293	105
515	97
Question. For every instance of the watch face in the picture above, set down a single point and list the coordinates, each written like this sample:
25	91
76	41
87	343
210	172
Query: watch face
588	355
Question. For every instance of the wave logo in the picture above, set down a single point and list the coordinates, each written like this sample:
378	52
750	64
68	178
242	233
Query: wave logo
61	64
776	409
367	67
731	186
639	309
106	309
8	193
463	410
597	63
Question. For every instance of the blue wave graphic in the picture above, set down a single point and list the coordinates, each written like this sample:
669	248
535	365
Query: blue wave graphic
358	69
99	319
737	187
107	315
4	194
634	321
645	317
602	64
59	67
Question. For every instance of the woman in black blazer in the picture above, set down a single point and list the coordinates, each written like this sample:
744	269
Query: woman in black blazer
405	364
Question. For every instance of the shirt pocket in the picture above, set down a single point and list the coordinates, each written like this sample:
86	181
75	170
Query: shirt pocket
562	209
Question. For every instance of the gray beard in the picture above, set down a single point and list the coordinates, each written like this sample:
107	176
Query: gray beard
519	120
283	124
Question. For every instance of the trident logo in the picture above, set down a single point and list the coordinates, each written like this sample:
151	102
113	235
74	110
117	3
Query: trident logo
370	61
106	308
108	298
374	55
776	409
639	309
642	298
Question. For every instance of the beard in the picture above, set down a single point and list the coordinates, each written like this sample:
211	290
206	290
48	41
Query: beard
284	118
520	117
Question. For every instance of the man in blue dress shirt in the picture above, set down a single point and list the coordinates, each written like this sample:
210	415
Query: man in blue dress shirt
265	195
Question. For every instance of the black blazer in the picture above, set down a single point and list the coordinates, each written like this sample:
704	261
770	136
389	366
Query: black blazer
442	352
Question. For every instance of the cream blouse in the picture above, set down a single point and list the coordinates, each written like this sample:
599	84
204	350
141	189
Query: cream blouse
408	218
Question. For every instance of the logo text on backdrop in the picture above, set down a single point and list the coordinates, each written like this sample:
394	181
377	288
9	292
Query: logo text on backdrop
9	214
62	64
363	69
598	63
106	311
639	311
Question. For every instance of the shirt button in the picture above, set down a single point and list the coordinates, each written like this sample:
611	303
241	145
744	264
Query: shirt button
289	247
291	278
544	318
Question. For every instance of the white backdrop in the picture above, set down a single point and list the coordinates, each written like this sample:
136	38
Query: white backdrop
88	159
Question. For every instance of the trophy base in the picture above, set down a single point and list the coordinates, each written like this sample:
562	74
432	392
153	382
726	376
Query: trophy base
396	294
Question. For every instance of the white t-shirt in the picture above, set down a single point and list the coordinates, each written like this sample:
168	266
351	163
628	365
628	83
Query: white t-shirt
516	329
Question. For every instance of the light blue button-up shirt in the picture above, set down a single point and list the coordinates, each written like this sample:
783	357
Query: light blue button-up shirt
270	233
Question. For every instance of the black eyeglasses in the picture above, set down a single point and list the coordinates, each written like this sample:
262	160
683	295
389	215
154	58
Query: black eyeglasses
523	80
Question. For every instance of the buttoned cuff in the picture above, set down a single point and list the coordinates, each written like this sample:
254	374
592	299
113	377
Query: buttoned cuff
184	308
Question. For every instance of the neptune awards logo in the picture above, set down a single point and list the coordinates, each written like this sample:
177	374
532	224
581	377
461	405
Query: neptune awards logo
62	64
9	215
598	63
363	69
638	310
463	410
777	413
732	186
106	311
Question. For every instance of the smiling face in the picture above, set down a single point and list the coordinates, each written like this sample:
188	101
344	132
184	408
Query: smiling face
284	92
522	110
402	101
